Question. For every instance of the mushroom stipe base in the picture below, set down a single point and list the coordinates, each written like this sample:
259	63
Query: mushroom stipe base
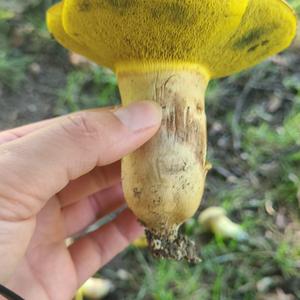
181	248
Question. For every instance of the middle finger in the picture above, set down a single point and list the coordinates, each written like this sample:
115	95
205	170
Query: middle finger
98	179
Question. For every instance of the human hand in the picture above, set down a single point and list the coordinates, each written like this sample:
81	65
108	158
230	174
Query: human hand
56	178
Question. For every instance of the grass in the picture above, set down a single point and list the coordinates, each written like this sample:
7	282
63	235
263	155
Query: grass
12	69
295	4
12	64
94	87
254	148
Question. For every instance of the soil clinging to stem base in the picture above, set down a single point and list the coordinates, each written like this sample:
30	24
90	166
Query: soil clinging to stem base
180	248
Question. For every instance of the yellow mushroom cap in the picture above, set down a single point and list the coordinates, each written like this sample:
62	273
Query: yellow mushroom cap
220	37
54	23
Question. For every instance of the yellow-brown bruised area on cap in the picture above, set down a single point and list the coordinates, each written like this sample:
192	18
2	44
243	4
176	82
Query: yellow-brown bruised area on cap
268	27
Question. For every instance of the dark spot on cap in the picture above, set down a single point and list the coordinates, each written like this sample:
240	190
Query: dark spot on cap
84	5
121	4
250	37
174	12
253	48
264	43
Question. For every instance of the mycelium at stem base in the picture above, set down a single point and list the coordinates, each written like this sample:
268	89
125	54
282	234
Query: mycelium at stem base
164	180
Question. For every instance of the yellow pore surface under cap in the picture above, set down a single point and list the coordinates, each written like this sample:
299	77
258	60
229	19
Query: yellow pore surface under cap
219	37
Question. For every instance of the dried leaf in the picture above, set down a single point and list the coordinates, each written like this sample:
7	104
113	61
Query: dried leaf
79	60
269	207
274	104
279	295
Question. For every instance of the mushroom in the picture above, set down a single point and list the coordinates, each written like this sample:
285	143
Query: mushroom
140	242
167	51
215	220
95	288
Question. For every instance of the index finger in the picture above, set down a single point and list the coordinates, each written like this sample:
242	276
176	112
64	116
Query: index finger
41	164
16	133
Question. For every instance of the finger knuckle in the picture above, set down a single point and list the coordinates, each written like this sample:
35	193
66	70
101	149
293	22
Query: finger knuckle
82	126
16	205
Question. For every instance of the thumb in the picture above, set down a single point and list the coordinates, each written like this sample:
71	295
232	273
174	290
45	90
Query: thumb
39	165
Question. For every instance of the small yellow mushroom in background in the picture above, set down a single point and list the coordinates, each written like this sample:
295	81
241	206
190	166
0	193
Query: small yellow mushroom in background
141	242
214	219
79	295
167	51
95	289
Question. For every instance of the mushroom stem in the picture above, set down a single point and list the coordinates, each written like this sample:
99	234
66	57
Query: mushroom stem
164	180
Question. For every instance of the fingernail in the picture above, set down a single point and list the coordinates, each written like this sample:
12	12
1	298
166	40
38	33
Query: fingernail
140	115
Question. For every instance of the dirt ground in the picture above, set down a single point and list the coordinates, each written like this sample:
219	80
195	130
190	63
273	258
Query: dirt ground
35	99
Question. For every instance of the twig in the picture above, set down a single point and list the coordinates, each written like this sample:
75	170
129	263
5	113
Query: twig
224	172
